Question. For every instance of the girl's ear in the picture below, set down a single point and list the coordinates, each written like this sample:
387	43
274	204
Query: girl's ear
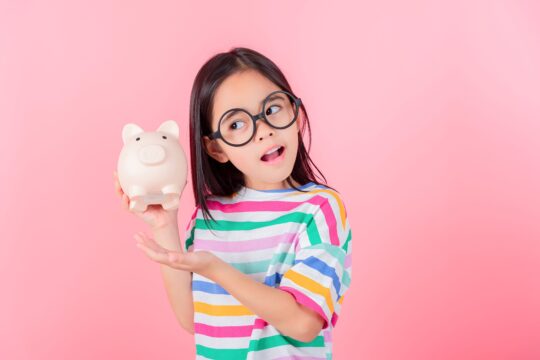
213	149
300	121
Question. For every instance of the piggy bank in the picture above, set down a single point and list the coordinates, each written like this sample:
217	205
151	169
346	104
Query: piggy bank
152	166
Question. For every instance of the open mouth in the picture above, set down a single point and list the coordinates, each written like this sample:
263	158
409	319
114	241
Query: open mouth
273	156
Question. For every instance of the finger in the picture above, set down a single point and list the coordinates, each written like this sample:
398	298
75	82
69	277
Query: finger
163	258
116	181
125	201
157	253
149	242
118	188
176	260
156	256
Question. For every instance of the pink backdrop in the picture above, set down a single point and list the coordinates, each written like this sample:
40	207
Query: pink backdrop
425	116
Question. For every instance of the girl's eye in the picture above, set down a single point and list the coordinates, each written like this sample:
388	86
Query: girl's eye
273	106
235	122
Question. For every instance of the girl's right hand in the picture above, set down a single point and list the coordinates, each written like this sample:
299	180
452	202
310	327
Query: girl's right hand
154	215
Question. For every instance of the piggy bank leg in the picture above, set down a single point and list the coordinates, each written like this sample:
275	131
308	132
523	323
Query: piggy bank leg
136	199
137	205
172	193
172	202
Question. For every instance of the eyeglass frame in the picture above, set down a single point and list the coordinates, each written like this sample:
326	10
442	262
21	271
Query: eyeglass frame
217	134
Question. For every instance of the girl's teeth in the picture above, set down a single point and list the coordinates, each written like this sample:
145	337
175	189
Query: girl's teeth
276	149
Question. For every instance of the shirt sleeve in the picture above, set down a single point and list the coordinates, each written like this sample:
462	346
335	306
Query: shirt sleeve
190	231
321	273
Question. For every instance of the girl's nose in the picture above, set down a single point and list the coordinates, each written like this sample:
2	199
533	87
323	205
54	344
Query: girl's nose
263	129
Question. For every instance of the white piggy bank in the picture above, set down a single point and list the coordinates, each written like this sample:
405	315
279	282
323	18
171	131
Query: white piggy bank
152	166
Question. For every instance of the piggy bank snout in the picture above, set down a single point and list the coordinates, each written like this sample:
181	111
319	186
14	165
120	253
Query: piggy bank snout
152	154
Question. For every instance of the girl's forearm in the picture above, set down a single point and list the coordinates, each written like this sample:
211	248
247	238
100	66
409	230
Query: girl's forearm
275	306
177	282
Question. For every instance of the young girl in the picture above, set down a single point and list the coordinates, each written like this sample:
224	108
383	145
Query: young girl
267	257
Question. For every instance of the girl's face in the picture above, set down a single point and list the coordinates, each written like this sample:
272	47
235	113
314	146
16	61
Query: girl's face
247	90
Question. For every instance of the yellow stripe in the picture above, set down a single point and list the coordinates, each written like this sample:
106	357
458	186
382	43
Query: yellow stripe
310	285
221	310
340	301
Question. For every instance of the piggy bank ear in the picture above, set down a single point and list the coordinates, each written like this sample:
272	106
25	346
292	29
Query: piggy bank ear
169	127
129	130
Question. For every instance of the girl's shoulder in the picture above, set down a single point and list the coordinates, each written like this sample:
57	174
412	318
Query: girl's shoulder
330	200
326	192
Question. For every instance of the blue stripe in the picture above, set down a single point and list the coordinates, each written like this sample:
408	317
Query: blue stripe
213	288
272	280
288	189
208	287
319	265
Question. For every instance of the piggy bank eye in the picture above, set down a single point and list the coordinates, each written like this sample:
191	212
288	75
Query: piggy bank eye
138	139
164	137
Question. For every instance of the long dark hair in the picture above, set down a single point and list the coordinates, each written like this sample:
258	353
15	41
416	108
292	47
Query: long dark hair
210	177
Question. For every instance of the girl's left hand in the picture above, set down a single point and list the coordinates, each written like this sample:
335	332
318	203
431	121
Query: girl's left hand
200	262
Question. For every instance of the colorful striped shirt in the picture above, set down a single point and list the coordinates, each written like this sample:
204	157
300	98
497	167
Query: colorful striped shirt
299	242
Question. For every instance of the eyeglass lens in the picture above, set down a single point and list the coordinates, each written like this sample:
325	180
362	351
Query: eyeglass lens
236	126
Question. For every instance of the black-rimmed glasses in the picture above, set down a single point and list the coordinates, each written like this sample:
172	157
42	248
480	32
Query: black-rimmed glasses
237	126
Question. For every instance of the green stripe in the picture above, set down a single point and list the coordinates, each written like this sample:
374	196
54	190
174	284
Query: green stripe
313	233
294	217
189	240
254	267
346	245
333	250
281	340
256	345
346	279
283	258
221	354
227	225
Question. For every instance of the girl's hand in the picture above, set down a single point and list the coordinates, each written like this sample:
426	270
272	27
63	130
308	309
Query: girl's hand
200	262
154	215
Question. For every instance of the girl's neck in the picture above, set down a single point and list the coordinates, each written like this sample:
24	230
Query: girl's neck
281	186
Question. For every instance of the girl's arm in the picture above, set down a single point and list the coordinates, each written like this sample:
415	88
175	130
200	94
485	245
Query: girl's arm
177	282
275	306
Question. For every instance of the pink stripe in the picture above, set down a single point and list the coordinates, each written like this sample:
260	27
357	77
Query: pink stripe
300	358
193	216
305	300
259	323
348	260
277	206
250	206
328	212
334	319
245	245
223	331
328	336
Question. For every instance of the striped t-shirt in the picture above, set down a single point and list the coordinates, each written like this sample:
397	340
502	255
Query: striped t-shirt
299	242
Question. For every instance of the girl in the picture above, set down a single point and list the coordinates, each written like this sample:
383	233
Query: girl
265	277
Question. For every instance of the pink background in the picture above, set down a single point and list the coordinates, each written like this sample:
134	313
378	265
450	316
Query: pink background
425	117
